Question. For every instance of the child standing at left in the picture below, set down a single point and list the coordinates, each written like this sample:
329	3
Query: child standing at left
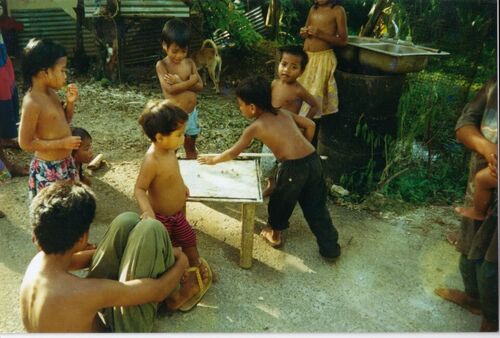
45	121
179	78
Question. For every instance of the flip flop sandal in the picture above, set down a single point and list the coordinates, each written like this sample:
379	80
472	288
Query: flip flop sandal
191	303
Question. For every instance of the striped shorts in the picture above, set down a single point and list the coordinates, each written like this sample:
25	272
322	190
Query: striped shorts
180	231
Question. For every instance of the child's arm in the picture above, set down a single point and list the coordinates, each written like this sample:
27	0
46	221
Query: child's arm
71	97
146	175
303	30
81	260
244	141
306	124
171	83
310	100
27	132
340	38
109	293
198	86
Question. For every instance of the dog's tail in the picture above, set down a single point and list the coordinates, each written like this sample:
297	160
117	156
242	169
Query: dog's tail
214	46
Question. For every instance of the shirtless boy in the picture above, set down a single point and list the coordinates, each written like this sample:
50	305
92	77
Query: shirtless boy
162	194
45	122
325	27
288	94
300	175
179	78
116	288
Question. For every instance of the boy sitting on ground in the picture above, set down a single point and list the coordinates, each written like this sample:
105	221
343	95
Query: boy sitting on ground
288	94
179	78
299	175
133	268
82	155
162	194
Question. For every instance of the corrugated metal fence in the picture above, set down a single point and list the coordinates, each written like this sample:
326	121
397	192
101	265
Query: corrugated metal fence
53	23
142	8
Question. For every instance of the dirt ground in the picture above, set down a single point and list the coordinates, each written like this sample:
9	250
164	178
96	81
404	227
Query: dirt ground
383	282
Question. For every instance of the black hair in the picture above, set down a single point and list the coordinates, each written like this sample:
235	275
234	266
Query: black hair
333	3
61	214
84	135
77	131
256	90
38	55
160	116
176	31
296	51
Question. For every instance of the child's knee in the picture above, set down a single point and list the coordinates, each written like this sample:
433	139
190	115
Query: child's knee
484	179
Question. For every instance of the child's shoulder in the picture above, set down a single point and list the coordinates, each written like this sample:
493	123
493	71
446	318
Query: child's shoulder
162	63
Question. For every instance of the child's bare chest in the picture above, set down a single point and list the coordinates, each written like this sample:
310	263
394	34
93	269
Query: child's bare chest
323	18
183	70
285	96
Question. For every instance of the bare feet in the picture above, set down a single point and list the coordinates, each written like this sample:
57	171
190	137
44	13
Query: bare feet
470	213
452	238
273	237
460	298
191	288
16	170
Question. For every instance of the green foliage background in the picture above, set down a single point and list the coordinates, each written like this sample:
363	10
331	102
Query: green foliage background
424	162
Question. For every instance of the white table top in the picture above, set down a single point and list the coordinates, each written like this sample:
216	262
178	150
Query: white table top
232	181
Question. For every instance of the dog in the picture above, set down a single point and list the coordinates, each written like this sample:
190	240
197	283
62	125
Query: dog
208	57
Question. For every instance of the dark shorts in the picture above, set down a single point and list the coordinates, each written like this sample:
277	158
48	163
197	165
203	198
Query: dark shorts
302	181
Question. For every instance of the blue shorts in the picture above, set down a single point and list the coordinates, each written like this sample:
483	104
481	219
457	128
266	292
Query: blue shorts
192	127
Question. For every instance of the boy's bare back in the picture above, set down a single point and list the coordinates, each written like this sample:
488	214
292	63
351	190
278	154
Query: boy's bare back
160	176
185	70
49	302
46	120
282	135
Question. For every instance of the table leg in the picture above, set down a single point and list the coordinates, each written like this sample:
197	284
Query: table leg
247	228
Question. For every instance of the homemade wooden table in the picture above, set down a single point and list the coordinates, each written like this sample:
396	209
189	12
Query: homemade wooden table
236	181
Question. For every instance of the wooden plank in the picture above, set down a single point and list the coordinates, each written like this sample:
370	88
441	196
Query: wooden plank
247	228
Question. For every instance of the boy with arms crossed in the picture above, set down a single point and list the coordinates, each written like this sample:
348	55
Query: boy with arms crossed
162	194
179	78
45	122
299	177
134	264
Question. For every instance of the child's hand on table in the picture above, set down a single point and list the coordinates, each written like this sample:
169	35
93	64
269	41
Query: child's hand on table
206	160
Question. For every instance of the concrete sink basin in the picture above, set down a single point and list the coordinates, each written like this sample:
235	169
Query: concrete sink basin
387	55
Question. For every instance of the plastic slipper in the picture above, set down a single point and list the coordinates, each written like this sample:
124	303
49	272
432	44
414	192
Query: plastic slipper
191	303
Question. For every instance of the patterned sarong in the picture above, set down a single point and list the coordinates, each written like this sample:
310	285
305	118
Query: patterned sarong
43	173
318	79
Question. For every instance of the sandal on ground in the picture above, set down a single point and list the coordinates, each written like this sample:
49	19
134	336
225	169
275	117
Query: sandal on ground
191	303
